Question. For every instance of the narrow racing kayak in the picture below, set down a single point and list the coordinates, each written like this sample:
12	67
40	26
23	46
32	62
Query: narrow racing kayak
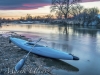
42	50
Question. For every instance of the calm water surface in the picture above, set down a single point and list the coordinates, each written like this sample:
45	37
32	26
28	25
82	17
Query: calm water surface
82	43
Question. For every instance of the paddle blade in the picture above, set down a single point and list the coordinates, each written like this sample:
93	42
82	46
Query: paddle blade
20	64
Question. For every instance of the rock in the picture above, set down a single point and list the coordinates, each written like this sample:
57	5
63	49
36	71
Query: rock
14	46
6	59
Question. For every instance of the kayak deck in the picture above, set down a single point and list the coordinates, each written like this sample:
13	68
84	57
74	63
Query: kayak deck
42	50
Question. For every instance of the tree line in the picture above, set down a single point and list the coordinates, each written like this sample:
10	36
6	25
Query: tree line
71	10
28	17
66	11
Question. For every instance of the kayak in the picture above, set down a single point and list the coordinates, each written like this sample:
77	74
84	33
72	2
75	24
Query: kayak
42	50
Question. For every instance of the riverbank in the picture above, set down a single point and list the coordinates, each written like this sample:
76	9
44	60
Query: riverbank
11	54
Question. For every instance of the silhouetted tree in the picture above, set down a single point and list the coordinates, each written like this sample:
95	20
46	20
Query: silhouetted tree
22	19
76	10
48	17
59	15
88	16
63	6
0	20
28	17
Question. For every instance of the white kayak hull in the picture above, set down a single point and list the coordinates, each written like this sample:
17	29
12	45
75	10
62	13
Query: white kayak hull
42	50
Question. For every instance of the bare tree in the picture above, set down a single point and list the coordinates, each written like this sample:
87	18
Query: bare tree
98	24
92	15
22	18
76	10
59	14
63	6
88	16
49	16
0	20
37	18
28	17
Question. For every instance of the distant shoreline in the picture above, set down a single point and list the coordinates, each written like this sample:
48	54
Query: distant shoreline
86	28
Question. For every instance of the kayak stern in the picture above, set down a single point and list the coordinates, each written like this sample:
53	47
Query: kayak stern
75	58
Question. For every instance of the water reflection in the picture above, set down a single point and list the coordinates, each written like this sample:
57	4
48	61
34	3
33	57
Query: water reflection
29	26
65	47
58	64
90	32
33	28
83	43
0	26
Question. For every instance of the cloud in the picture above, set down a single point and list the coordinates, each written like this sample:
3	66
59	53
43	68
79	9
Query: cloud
22	4
89	0
26	4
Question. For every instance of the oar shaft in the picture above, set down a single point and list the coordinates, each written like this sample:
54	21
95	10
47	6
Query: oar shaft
33	47
20	64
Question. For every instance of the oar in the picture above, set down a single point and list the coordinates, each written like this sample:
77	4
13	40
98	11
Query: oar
20	64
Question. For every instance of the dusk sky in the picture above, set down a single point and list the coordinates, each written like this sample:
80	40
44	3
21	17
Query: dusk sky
17	8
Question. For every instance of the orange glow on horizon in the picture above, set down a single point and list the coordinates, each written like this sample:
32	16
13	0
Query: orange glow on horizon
17	17
22	13
42	11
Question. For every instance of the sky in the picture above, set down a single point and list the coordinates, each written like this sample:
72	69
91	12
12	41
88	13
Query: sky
18	8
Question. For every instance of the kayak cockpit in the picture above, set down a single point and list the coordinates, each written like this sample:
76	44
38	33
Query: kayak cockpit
32	43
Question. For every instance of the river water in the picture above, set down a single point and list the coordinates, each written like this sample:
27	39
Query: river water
83	43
